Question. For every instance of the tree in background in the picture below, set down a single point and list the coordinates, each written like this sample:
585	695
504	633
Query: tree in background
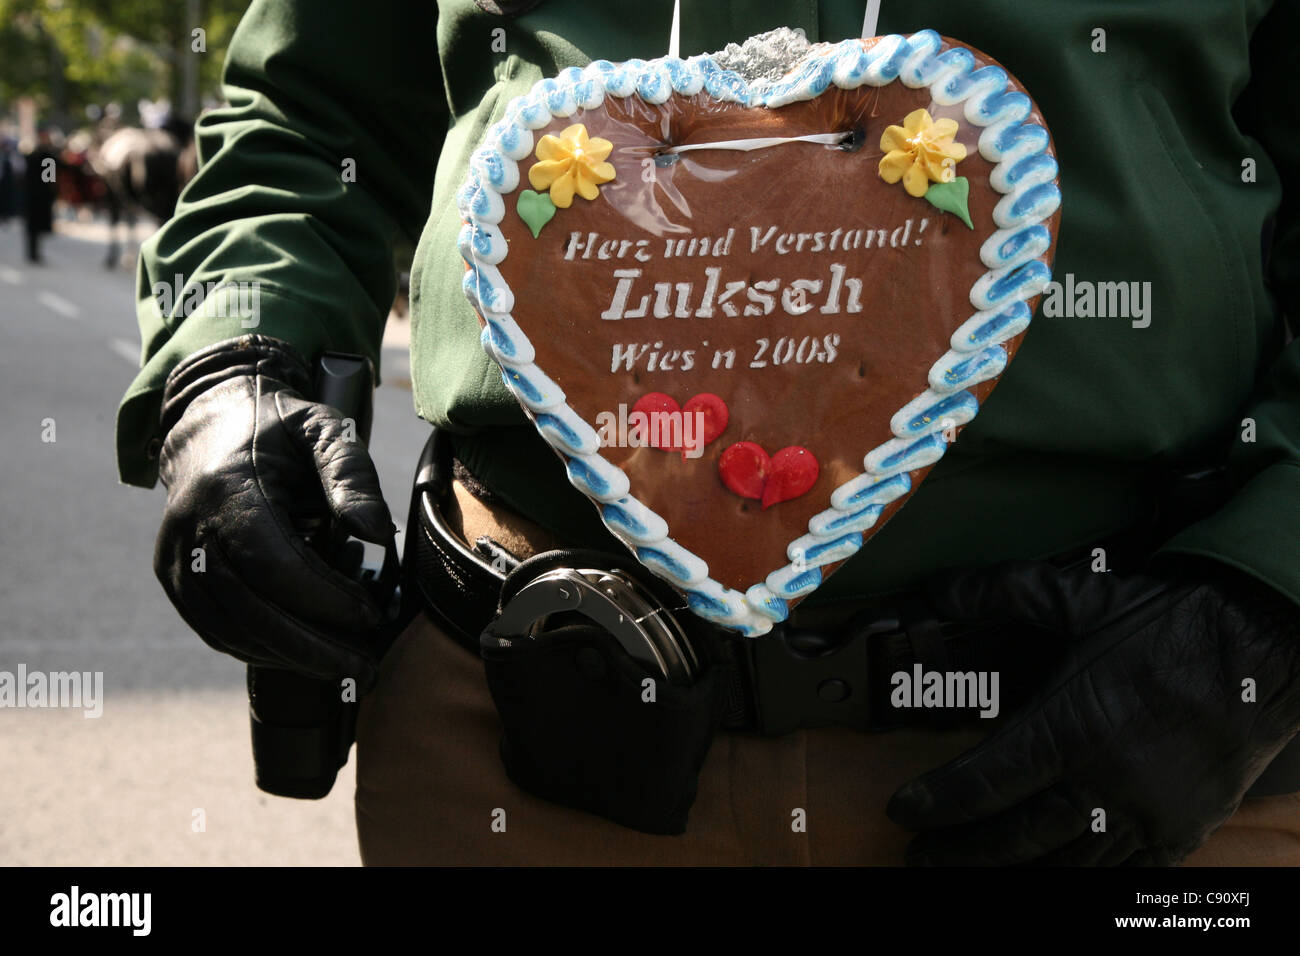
70	54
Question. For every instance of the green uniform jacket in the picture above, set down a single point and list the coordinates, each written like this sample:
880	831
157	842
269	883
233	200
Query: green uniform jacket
1151	133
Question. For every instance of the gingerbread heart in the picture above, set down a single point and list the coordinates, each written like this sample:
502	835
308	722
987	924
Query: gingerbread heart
846	256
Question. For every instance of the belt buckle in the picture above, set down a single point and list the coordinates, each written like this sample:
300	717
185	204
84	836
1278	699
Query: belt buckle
812	678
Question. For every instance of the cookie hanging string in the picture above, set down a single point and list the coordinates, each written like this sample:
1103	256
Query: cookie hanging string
675	36
762	142
870	17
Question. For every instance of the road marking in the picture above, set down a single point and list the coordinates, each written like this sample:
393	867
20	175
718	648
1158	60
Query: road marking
127	350
57	303
10	275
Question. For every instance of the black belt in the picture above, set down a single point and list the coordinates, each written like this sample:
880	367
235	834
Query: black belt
791	678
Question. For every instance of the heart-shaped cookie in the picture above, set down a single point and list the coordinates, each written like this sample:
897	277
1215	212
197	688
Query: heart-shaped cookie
798	248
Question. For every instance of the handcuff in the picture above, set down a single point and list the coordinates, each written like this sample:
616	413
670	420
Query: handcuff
611	598
610	591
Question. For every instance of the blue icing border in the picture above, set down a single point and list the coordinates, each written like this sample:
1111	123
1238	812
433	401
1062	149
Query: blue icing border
1024	172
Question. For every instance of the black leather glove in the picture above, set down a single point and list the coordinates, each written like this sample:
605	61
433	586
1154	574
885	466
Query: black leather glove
246	462
1145	718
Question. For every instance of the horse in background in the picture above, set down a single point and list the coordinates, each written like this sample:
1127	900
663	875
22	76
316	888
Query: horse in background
143	170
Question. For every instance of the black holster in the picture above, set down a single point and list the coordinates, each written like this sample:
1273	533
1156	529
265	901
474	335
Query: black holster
587	726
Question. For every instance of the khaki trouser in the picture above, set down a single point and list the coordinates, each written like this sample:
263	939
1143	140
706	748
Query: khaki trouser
431	788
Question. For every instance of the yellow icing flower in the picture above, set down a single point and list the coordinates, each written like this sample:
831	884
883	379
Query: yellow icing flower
920	151
571	163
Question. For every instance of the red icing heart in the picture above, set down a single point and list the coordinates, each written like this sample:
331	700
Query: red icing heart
710	406
746	469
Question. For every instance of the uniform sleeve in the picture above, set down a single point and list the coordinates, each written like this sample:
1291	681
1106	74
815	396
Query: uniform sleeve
324	155
1258	530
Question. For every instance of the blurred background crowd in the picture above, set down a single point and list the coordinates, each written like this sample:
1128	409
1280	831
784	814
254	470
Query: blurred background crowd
97	104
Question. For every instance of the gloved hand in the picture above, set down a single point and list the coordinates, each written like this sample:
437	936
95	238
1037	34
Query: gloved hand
246	461
1144	719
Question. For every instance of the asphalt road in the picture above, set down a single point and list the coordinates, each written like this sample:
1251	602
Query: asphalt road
77	593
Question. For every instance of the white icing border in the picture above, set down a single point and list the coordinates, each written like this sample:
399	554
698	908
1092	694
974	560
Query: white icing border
1025	173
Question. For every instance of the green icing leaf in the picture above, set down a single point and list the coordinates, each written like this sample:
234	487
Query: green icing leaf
536	210
952	197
